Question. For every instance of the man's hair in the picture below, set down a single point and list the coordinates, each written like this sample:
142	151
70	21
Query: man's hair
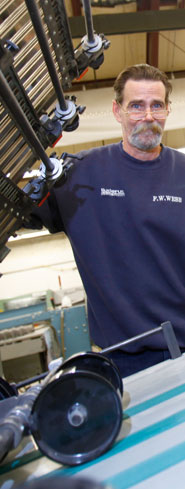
140	72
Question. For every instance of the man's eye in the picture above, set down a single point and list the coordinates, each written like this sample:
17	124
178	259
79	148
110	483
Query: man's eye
158	105
136	106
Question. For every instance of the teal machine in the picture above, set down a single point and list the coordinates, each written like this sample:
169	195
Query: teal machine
38	332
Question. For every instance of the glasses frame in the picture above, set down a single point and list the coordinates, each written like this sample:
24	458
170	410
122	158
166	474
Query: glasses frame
153	113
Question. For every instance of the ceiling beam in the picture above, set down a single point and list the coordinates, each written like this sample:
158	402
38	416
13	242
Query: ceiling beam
76	7
132	22
152	38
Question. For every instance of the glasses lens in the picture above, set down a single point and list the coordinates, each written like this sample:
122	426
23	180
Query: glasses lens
136	116
157	114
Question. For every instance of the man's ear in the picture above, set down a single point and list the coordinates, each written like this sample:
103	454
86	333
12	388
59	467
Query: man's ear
116	109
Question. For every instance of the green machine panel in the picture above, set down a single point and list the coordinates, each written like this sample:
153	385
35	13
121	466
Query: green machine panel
76	331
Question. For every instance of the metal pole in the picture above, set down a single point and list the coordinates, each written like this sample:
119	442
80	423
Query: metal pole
39	29
168	333
1	366
131	340
88	21
22	122
171	340
32	380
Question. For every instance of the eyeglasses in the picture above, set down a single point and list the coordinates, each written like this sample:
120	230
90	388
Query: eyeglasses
138	114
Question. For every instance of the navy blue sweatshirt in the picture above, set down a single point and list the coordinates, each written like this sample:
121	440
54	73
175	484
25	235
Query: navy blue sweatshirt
125	219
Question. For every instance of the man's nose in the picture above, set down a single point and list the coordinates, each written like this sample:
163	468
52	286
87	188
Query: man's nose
149	115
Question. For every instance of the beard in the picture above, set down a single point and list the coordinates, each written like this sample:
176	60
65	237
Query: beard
146	135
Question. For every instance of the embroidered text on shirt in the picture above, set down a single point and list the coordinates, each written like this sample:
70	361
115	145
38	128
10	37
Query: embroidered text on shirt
167	198
112	193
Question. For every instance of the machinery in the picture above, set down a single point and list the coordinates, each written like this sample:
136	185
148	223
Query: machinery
30	336
33	333
75	414
37	64
147	453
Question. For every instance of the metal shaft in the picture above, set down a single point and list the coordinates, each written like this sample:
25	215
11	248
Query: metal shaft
88	21
22	122
166	328
39	29
131	340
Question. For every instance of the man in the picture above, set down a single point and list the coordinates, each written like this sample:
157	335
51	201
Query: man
123	209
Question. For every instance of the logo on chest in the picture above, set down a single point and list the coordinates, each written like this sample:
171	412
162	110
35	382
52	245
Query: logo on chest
112	192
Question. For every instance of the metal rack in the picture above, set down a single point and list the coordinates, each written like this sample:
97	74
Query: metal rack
37	64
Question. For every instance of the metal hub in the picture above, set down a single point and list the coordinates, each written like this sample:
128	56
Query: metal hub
77	415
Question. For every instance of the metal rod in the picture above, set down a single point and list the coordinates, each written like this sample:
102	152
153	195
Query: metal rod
88	21
169	336
171	339
32	380
131	340
39	29
22	122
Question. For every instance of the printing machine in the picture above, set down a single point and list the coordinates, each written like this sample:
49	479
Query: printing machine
38	63
114	434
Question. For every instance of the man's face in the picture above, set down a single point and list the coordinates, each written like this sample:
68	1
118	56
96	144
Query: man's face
147	95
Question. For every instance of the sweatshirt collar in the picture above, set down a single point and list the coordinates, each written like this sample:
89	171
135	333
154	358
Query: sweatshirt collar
135	162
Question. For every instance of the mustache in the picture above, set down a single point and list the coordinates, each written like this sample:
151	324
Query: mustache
145	126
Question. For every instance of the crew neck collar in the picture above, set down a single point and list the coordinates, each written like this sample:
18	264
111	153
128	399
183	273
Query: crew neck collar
142	163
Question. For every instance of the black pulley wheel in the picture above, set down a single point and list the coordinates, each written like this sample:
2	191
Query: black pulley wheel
76	417
96	362
62	483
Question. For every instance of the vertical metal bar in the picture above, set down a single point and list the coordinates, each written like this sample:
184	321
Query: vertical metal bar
1	366
152	38
22	122
76	6
38	26
171	340
88	21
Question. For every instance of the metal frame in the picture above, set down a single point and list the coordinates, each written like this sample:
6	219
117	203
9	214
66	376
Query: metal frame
32	314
